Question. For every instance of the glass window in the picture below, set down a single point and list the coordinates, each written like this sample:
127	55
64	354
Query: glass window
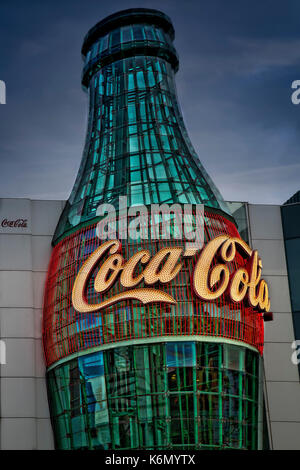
181	354
131	113
238	210
293	261
149	32
104	42
138	33
291	220
94	50
140	80
126	33
160	35
115	38
234	357
131	85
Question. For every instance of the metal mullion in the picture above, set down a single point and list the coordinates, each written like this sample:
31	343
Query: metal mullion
150	123
220	390
136	390
108	398
240	398
167	393
179	395
139	127
196	417
84	407
186	393
162	152
253	417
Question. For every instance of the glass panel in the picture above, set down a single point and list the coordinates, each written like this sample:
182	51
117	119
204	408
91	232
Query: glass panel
138	34
293	258
149	32
104	41
126	33
115	38
181	354
290	220
238	211
170	395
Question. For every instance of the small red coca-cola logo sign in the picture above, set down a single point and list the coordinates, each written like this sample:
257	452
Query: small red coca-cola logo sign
18	223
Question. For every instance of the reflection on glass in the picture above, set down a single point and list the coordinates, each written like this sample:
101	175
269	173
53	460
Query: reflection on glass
180	395
239	212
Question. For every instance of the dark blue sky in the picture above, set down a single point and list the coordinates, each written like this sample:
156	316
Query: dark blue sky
238	59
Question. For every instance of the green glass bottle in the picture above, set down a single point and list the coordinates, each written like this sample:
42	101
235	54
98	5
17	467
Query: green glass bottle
143	375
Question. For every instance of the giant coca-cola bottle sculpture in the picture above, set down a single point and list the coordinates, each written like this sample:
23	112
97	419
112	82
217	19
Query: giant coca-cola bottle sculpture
126	371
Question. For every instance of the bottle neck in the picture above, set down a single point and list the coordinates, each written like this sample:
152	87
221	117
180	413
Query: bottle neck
136	144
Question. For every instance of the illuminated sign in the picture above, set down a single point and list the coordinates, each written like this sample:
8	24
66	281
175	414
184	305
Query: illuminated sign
212	277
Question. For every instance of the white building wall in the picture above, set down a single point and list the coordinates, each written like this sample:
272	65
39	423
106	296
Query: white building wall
24	257
282	378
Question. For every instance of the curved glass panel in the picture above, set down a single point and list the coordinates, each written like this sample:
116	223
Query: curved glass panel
177	395
136	145
67	331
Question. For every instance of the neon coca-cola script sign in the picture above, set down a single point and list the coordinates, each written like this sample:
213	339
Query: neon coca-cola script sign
210	279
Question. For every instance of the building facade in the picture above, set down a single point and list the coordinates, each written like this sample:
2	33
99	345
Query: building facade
25	254
26	231
265	225
146	345
143	351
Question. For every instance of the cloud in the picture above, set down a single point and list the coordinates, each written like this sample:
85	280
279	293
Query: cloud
237	62
261	185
